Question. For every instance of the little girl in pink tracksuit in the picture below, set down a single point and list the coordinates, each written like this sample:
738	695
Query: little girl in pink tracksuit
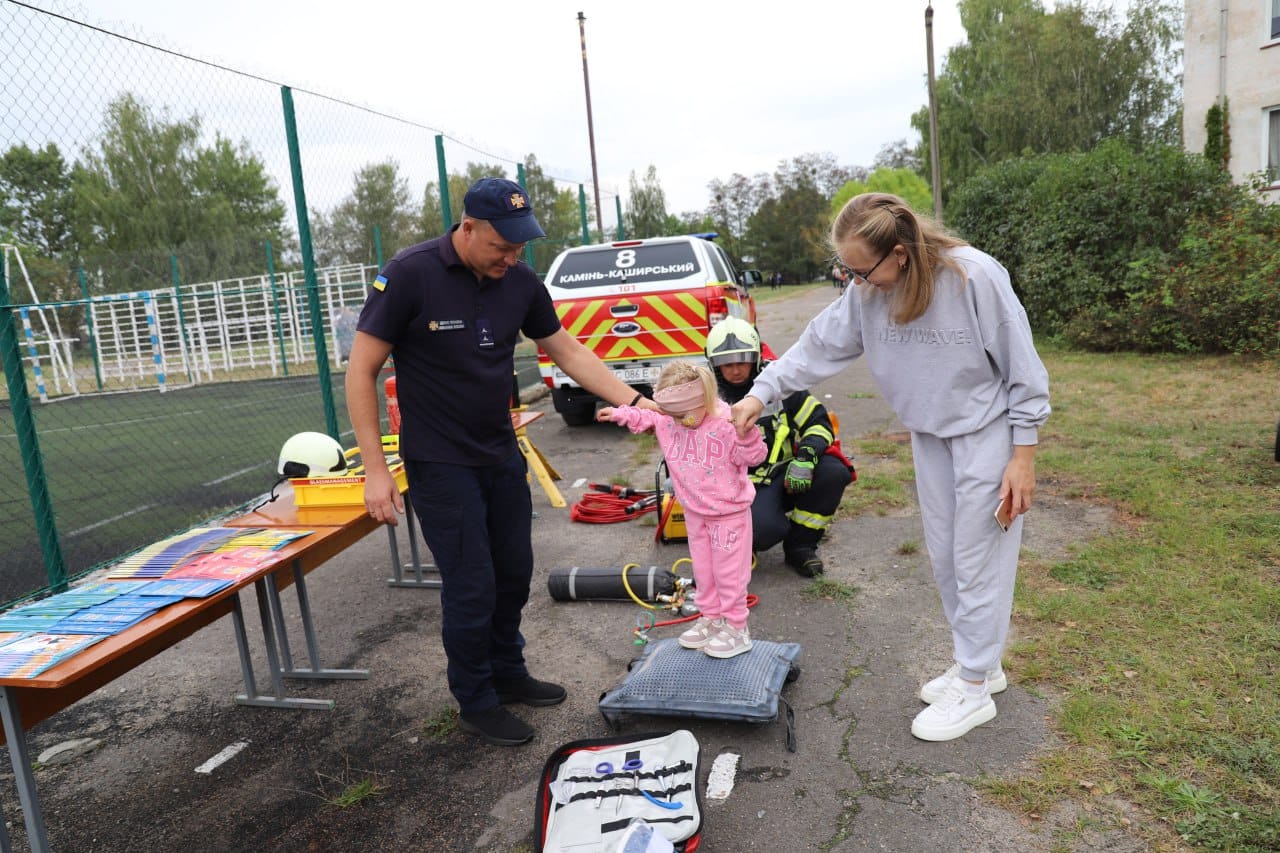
708	464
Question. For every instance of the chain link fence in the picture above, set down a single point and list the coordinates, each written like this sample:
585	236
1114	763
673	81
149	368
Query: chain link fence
186	250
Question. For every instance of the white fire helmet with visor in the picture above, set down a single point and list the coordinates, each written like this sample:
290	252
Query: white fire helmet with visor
733	341
312	454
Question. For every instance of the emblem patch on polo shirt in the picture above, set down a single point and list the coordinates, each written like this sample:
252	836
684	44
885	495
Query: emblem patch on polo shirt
380	283
445	325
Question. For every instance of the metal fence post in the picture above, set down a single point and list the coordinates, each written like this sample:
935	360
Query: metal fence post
309	265
275	307
445	210
88	321
582	209
188	355
528	247
24	426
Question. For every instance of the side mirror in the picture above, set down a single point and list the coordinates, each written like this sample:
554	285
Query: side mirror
751	278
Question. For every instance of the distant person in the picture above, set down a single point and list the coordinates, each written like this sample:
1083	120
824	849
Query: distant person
837	275
799	484
344	331
949	347
708	463
450	310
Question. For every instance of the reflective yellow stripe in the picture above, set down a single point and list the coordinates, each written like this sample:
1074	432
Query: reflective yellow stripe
779	440
806	410
820	431
811	520
697	305
588	311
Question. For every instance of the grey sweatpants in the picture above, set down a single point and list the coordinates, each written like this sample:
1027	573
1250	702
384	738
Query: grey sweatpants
974	563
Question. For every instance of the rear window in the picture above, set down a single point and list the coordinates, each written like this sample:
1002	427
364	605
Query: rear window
627	264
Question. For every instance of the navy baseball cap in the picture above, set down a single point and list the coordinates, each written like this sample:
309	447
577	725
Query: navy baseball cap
504	205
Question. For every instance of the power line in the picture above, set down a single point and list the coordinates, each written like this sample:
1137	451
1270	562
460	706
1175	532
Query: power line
251	76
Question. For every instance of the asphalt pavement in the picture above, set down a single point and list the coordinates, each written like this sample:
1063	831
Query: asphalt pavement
857	781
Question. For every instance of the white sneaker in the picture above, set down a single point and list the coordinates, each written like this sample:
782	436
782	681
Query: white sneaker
954	714
698	634
728	641
933	690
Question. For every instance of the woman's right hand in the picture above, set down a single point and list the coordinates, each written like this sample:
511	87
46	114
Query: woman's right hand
745	414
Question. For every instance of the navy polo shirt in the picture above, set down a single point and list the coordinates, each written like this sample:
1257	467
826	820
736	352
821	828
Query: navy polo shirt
453	338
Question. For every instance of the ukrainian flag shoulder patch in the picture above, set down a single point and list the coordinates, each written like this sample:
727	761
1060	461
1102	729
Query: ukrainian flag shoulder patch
380	283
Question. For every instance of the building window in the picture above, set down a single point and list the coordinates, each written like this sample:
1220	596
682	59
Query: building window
1275	19
1273	145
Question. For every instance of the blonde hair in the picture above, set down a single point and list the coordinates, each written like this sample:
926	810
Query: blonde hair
679	372
884	221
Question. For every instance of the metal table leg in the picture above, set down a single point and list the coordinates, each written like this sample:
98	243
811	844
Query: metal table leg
316	670
277	699
24	778
417	565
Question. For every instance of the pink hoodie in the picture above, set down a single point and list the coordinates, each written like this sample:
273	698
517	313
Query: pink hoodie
708	463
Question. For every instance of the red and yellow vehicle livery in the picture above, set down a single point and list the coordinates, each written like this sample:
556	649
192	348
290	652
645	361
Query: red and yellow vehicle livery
638	304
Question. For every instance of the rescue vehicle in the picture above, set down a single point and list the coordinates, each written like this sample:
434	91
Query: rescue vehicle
638	304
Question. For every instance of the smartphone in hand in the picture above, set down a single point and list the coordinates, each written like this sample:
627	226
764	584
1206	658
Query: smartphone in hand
1002	513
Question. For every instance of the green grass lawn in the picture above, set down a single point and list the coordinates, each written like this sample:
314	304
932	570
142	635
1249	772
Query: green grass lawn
1159	642
1163	637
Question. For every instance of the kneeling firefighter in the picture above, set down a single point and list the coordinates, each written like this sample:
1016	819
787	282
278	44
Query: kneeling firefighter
801	481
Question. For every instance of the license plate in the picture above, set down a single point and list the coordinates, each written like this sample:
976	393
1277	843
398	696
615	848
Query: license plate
637	375
629	375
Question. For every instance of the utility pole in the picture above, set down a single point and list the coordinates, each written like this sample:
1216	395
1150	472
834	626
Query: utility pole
933	118
591	133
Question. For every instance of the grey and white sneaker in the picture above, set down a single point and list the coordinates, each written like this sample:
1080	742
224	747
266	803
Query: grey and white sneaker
728	641
934	689
958	711
699	633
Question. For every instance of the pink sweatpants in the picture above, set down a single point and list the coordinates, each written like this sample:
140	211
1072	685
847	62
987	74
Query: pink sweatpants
720	548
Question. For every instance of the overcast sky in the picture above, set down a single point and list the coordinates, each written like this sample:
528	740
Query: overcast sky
698	90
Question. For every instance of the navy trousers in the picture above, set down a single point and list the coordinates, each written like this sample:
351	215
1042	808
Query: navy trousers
478	524
770	522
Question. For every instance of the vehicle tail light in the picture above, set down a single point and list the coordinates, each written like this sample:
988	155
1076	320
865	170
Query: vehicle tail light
717	308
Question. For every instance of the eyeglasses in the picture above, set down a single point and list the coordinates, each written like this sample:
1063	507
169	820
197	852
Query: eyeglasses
864	276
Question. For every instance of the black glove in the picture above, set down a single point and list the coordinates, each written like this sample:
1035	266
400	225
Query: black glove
800	471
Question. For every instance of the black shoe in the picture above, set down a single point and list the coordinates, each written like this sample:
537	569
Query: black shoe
497	726
805	561
530	691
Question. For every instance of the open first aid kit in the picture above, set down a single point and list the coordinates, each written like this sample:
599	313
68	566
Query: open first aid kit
609	795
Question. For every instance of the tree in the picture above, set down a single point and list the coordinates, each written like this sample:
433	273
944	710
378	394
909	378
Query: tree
557	211
903	183
149	190
788	233
432	224
1027	81
646	214
35	202
35	190
733	203
898	155
379	199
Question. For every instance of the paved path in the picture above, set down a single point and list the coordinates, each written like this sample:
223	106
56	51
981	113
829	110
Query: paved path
858	781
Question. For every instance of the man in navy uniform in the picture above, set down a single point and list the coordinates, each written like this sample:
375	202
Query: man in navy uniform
450	311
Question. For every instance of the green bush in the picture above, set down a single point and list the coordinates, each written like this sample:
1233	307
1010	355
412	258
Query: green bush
1089	239
1218	292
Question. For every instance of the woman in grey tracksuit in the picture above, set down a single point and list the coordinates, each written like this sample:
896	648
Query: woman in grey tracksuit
949	346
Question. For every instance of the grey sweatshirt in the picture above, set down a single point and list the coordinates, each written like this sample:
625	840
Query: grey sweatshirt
968	360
